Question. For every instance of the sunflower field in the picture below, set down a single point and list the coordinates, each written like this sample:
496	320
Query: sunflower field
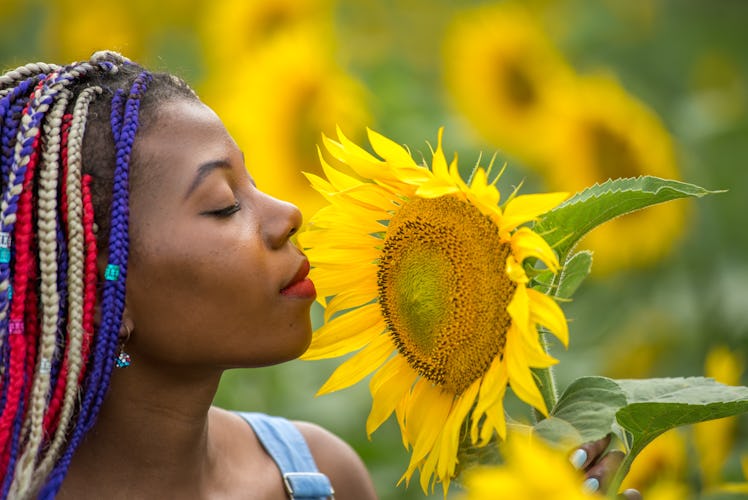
338	106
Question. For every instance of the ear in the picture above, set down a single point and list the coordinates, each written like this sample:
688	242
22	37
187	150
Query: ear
128	325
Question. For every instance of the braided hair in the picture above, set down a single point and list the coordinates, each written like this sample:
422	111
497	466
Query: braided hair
66	150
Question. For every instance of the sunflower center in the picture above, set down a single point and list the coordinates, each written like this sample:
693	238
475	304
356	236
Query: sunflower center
613	153
519	87
443	290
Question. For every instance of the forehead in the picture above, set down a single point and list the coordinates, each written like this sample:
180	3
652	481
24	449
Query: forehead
183	135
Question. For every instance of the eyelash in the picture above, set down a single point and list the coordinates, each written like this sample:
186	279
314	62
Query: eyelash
227	211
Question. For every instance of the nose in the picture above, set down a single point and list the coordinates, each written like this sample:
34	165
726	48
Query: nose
281	220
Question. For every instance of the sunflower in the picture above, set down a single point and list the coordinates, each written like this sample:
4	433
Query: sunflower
714	440
604	133
293	91
233	28
422	274
532	471
505	75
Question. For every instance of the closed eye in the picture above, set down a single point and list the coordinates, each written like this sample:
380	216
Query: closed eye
226	211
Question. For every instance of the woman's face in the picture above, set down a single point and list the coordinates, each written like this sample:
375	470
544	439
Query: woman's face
210	256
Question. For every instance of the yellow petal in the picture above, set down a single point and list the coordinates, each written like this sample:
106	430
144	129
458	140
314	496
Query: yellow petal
520	376
365	292
334	255
345	334
388	149
388	386
330	279
343	238
519	307
492	390
439	163
450	438
526	243
527	207
435	188
338	179
427	413
546	312
494	421
360	365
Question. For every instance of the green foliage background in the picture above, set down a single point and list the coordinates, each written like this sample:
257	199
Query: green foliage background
657	321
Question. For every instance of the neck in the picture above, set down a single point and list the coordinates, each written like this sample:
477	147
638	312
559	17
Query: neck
156	413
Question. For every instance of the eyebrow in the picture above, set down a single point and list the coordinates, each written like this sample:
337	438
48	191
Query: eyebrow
203	171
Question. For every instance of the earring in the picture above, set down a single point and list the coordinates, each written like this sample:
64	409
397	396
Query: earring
123	359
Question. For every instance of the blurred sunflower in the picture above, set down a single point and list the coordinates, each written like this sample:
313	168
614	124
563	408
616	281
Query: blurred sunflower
531	471
290	94
604	133
73	33
237	29
660	468
505	75
423	275
715	439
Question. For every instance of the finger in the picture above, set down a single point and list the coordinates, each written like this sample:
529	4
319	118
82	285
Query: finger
589	453
631	495
605	468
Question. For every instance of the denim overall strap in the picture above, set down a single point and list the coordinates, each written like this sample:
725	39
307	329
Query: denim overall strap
287	447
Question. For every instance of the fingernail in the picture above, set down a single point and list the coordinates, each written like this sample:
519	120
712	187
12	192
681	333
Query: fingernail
590	485
578	458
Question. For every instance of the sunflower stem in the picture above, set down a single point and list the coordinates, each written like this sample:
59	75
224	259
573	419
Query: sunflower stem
546	380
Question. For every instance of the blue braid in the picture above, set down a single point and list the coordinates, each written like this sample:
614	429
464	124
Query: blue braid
11	108
124	127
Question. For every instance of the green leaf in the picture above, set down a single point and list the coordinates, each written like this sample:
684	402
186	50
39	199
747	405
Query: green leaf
574	272
657	405
585	412
592	407
565	225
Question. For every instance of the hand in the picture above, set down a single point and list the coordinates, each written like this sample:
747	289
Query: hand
600	467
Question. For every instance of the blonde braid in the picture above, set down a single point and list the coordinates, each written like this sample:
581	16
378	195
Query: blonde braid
14	187
10	78
50	298
76	253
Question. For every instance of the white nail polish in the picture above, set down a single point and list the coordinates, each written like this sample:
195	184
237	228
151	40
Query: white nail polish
578	458
590	485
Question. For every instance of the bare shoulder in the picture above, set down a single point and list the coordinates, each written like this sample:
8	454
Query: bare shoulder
339	462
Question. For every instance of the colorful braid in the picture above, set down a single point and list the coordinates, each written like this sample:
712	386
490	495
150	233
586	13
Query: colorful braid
60	363
50	297
124	128
55	365
24	395
81	290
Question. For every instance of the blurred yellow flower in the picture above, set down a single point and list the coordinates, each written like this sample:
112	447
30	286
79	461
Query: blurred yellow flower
424	278
233	30
505	76
715	439
74	32
532	471
601	133
75	29
660	466
278	107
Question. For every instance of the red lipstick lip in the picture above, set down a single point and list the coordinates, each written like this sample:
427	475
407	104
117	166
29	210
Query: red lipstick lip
300	285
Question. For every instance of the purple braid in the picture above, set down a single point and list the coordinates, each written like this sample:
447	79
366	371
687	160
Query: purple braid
10	113
25	138
62	287
124	126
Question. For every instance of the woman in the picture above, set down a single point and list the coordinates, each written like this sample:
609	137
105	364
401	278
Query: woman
112	174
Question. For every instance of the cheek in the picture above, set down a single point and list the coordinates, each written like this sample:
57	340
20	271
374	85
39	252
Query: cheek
185	300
